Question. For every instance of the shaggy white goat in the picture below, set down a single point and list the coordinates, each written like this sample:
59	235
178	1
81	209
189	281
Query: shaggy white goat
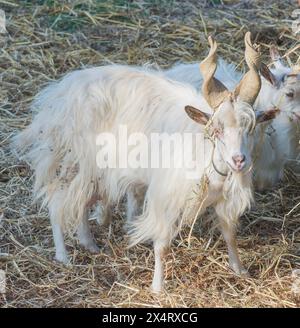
60	145
280	145
277	144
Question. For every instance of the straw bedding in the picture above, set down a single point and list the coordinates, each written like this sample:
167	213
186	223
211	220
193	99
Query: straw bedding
46	39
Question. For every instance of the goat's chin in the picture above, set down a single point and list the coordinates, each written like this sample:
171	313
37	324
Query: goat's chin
232	167
238	170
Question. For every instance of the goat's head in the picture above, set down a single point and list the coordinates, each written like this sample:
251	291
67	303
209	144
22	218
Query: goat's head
287	81
233	121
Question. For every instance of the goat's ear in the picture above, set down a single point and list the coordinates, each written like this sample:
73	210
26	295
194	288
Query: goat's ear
276	58
274	53
268	75
197	115
263	116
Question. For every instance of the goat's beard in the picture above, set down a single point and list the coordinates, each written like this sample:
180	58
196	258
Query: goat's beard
237	189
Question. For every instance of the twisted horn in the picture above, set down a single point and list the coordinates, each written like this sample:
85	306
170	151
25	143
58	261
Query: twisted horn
249	87
213	90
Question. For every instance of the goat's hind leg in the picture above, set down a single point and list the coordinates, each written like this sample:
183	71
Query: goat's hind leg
61	254
55	210
134	203
85	235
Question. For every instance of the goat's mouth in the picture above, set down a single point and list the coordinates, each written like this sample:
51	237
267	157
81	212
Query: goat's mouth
238	168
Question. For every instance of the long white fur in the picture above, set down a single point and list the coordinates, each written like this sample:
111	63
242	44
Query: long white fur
60	145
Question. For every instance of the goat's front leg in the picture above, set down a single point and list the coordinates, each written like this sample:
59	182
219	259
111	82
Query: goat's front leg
85	236
131	206
229	234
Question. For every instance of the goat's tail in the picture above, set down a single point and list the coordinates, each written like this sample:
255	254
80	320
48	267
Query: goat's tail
60	143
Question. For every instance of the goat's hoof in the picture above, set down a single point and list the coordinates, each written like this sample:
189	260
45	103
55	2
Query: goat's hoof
244	273
92	248
62	258
156	288
240	271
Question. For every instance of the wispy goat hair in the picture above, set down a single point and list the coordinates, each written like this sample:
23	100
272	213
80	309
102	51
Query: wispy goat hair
60	145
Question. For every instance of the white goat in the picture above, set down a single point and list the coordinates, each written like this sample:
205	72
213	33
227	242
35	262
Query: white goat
60	145
277	144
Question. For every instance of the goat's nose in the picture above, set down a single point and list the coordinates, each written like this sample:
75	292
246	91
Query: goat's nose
239	159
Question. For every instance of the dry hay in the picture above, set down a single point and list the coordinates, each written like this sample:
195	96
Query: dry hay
49	38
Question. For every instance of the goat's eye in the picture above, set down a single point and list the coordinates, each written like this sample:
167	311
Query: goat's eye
283	78
290	94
